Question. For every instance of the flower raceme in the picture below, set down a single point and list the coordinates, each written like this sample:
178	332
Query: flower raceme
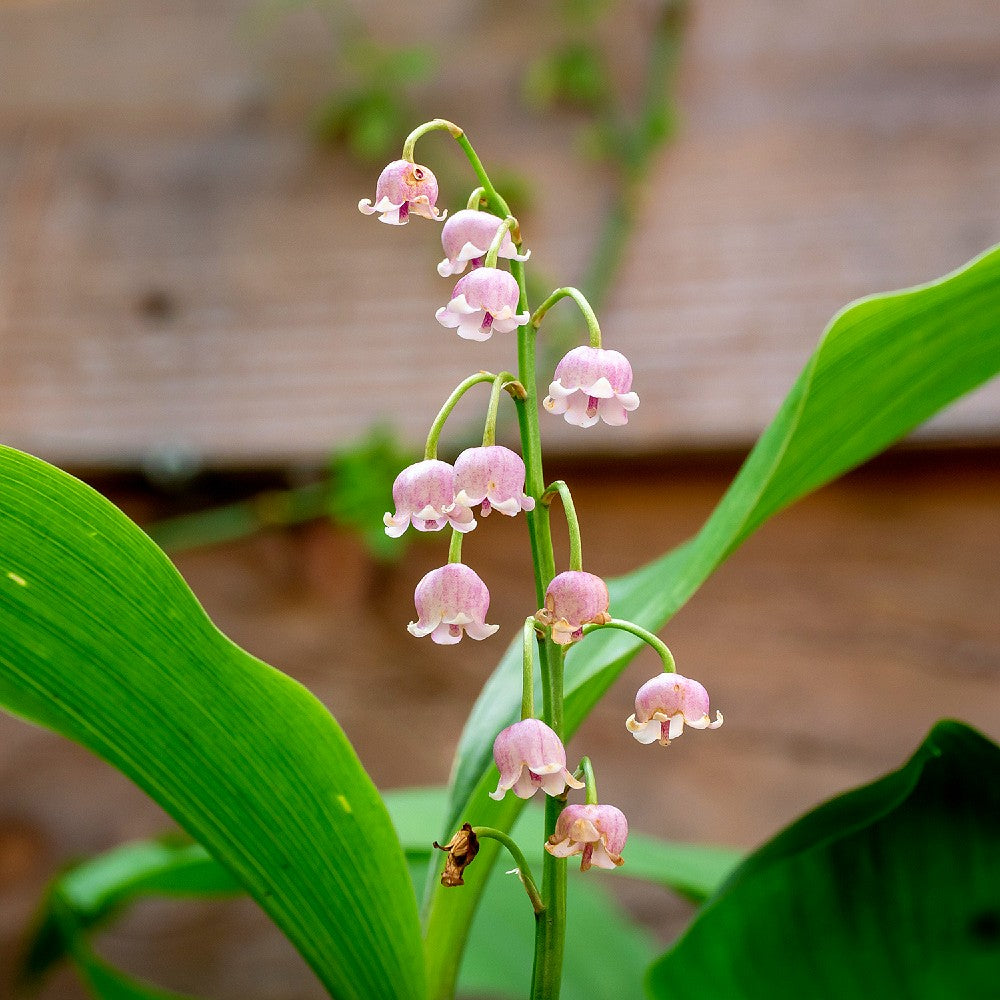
574	599
483	301
451	600
467	236
529	756
424	495
402	189
494	477
592	384
664	704
597	832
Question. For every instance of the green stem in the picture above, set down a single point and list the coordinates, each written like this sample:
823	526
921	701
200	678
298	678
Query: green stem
430	451
508	381
655	641
523	871
579	298
587	770
572	524
528	669
550	926
431	126
509	225
455	547
475	198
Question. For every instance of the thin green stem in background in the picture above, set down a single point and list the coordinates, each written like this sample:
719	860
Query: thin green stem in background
523	871
509	225
593	327
508	381
455	547
652	640
572	523
528	669
586	771
430	450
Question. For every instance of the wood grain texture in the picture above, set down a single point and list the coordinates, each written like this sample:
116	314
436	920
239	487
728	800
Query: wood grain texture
184	276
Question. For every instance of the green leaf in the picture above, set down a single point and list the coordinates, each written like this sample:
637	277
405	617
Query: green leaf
884	365
890	890
104	643
96	890
692	870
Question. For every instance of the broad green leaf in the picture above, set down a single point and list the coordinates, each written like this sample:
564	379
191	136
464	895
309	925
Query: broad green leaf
890	890
96	890
884	365
607	954
104	643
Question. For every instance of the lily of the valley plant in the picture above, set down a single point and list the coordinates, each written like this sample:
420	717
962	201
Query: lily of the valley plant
591	383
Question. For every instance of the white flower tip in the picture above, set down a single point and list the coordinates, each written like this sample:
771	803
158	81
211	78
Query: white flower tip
365	207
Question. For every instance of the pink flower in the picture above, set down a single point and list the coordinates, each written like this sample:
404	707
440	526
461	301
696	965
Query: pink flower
425	495
483	301
449	600
467	235
592	384
403	188
530	756
493	476
597	832
572	600
664	704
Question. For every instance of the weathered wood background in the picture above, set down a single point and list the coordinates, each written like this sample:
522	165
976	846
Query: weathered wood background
184	274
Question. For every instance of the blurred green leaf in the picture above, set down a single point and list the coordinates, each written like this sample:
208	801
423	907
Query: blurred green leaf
574	75
104	643
890	890
361	478
884	365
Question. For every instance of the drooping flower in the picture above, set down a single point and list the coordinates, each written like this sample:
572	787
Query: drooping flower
664	704
574	599
403	189
483	301
531	756
449	600
592	384
494	477
467	235
424	495
597	832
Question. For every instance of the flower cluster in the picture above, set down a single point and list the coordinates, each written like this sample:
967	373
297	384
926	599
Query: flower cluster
589	385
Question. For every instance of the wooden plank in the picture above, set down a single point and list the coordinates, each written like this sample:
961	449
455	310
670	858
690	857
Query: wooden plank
185	277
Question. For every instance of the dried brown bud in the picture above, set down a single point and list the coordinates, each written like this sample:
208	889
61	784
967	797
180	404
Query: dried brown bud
462	849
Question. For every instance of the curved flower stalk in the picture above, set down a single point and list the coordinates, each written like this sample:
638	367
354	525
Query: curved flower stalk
484	300
664	704
492	476
424	495
529	756
592	384
449	601
596	832
402	189
466	237
574	599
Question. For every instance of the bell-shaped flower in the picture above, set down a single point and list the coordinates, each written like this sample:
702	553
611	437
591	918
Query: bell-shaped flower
494	477
592	384
664	704
424	495
451	600
574	599
483	301
467	235
597	832
403	189
530	756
